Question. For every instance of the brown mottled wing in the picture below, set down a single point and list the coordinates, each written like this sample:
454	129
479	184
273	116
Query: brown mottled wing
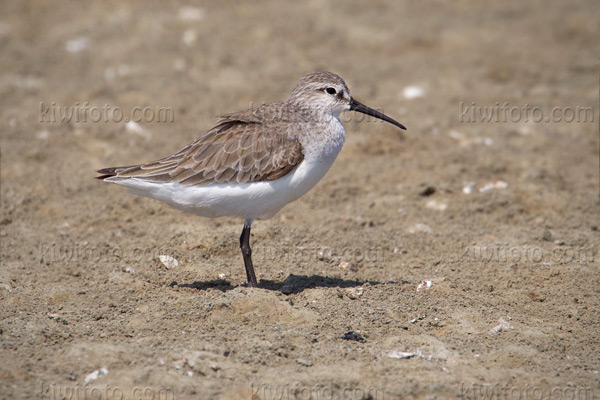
234	151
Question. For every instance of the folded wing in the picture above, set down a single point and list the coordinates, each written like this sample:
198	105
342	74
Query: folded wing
234	151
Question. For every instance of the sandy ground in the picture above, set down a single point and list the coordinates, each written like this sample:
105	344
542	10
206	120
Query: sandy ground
89	311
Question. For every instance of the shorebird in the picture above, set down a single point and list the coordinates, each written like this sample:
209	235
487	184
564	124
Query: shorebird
255	161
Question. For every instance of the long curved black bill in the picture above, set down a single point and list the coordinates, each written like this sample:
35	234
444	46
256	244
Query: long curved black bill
356	106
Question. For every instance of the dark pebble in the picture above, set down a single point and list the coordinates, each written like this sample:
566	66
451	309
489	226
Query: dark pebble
428	191
353	336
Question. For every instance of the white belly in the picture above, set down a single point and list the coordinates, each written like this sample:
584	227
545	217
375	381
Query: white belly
255	200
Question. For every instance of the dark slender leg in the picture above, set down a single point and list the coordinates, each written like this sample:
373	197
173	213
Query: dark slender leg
247	254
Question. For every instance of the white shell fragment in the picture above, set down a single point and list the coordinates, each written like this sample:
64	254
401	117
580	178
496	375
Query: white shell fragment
417	319
419	228
96	374
134	127
468	187
400	355
413	92
168	261
5	286
355	292
503	326
346	265
493	185
424	285
436	205
306	363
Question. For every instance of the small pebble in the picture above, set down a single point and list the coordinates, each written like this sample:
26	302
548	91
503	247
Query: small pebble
355	293
493	185
351	335
168	261
347	265
413	92
304	362
5	286
547	236
400	355
287	289
134	127
468	187
95	375
436	205
424	285
428	191
503	326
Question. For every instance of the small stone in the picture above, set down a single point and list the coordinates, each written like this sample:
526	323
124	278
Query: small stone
347	265
400	355
424	285
351	335
5	286
287	289
134	127
419	228
168	261
468	187
214	366
547	236
95	375
304	362
493	186
180	363
436	205
412	92
428	191
502	326
354	293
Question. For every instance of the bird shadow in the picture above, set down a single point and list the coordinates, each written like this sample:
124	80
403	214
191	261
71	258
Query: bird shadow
291	284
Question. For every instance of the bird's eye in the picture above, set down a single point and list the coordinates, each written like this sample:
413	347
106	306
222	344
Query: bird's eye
331	90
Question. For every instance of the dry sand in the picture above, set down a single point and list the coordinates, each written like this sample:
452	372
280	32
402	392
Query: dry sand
82	284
